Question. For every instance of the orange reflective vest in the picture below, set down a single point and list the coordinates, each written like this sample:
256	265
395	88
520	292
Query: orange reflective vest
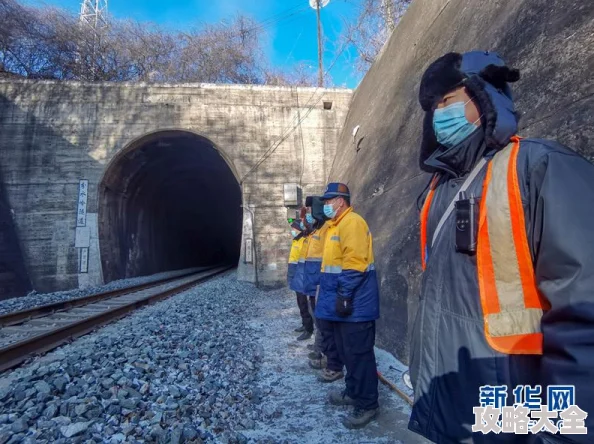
512	303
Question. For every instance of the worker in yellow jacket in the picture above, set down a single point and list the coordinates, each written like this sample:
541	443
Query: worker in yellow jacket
313	272
295	277
348	304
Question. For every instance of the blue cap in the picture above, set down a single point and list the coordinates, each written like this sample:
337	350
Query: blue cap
336	189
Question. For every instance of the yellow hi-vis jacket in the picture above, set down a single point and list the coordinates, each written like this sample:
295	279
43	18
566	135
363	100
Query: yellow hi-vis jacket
313	260
296	246
297	283
348	270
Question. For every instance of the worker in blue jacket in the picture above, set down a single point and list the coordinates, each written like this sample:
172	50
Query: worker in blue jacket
507	304
348	303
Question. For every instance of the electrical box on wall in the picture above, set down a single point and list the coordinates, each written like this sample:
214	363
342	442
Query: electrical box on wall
292	195
292	215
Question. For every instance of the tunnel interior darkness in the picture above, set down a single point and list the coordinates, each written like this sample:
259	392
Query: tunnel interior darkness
169	201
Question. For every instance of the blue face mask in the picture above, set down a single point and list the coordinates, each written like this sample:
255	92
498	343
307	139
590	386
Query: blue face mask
451	126
302	226
294	233
329	211
309	218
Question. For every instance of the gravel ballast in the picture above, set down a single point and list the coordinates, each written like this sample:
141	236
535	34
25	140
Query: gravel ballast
218	363
180	370
35	299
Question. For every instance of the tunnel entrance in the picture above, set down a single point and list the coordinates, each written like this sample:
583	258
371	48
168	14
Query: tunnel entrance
169	201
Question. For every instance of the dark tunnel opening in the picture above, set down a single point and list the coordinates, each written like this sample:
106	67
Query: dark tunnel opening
170	201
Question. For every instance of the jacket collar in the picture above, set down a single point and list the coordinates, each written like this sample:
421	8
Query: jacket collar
334	223
460	159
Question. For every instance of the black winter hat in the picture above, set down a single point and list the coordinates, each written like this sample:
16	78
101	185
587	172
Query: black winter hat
447	73
442	76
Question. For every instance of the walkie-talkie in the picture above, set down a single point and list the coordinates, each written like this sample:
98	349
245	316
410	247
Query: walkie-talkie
466	223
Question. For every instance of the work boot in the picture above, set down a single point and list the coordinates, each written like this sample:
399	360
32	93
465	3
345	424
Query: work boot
318	364
330	375
339	397
314	355
310	346
304	336
300	329
359	418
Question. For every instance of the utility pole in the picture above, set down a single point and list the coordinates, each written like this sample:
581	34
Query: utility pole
318	5
320	61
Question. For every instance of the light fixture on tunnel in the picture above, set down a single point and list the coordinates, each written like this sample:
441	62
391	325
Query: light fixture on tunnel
292	195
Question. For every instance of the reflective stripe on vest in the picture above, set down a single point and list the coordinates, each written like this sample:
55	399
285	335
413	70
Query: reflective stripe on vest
333	269
511	302
424	217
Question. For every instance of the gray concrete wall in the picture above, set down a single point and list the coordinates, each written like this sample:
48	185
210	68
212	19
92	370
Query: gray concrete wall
550	41
53	134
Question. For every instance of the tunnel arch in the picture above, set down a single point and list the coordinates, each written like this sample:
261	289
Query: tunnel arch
171	199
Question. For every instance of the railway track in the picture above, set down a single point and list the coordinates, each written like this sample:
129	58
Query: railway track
40	329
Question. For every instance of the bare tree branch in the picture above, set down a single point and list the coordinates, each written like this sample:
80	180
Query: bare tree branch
52	43
375	21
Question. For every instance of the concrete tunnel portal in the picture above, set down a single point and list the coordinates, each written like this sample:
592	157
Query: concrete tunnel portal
168	201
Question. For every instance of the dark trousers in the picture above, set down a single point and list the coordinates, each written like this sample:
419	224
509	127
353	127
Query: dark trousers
312	304
354	341
329	348
318	337
306	319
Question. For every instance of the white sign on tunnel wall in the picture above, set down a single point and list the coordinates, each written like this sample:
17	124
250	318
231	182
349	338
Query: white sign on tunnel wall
81	211
249	252
81	221
84	260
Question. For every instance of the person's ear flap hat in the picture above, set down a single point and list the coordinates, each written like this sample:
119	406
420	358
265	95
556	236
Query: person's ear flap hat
486	78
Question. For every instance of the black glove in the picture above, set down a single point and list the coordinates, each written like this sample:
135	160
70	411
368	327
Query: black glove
344	306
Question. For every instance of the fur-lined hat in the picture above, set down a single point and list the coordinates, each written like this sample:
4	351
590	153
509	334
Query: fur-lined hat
486	78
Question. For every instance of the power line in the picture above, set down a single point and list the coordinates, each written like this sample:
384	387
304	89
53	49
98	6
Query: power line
296	8
294	125
277	18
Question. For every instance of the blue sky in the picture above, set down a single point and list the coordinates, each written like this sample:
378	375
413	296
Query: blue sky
292	39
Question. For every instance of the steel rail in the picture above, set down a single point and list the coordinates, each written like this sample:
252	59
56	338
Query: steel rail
15	353
20	316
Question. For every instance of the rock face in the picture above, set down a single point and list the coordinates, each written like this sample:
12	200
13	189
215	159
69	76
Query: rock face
550	41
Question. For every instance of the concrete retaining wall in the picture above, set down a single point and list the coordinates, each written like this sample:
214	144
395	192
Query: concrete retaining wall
550	41
53	134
